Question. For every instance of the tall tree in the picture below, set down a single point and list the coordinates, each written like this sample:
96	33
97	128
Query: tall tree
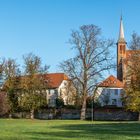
135	42
2	62
33	84
91	59
10	73
132	98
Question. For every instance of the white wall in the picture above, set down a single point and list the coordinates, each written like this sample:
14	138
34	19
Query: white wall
63	91
52	94
67	91
113	95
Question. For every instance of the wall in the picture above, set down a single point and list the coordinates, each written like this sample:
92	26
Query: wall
99	114
111	93
114	114
67	92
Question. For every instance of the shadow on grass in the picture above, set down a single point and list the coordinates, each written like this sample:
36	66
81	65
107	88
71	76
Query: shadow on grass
90	131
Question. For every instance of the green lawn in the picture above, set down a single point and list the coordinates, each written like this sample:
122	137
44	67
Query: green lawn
14	129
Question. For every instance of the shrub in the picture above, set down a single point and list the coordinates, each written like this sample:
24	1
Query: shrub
59	103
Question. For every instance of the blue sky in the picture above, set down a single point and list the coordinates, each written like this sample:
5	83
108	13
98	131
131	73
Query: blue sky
44	26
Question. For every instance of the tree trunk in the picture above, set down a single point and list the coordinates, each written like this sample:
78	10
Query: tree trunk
92	111
83	110
139	117
84	105
10	115
32	114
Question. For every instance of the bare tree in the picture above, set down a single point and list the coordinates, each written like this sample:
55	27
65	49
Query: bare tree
92	58
2	62
135	42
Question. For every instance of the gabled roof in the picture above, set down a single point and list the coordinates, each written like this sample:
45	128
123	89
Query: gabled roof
111	81
55	79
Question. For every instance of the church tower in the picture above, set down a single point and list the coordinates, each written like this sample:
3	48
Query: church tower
121	54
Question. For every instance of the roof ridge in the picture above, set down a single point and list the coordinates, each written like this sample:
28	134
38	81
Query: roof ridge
111	81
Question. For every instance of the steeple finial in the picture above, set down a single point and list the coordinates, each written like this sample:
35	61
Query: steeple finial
121	33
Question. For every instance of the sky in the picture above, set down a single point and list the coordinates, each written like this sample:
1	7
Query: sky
43	27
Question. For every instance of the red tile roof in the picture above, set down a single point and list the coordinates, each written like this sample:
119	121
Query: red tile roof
111	81
130	53
55	79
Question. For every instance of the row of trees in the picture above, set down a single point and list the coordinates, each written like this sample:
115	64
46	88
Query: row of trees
24	90
85	69
93	57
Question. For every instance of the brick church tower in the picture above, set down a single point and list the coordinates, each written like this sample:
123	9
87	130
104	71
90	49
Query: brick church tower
121	54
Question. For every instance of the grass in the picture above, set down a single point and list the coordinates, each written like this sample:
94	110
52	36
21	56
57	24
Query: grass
21	129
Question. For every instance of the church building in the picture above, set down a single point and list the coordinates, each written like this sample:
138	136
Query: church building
125	58
109	91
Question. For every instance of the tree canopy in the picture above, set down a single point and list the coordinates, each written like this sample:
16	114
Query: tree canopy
92	57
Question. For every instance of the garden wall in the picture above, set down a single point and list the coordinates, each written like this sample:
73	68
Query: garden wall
99	114
114	114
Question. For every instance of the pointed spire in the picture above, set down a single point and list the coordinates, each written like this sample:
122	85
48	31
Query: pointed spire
121	33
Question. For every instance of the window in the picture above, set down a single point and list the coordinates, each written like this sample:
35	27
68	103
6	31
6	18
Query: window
52	91
116	91
56	91
120	48
114	101
108	91
52	102
49	91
